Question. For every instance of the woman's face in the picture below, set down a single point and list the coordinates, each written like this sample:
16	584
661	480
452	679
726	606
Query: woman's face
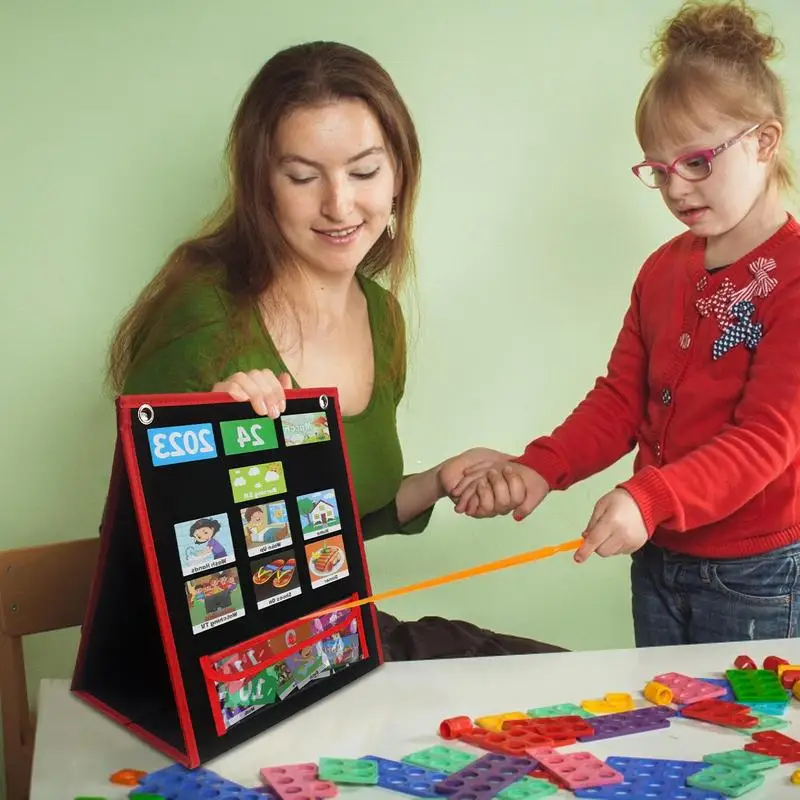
333	180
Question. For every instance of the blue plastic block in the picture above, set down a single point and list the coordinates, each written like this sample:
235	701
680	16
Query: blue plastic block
656	778
178	783
407	778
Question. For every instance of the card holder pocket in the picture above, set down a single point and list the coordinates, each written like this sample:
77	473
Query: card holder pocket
266	669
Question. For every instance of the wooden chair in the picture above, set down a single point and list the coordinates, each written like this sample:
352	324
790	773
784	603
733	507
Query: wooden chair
42	588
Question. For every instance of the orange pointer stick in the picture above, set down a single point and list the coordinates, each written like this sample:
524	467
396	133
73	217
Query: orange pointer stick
492	566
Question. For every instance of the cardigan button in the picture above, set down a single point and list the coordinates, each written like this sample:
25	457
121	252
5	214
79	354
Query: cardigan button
685	341
666	397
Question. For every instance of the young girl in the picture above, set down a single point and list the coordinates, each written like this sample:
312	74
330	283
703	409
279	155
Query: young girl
283	290
705	375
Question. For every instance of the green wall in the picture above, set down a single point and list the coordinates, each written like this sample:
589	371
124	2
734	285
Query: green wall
531	229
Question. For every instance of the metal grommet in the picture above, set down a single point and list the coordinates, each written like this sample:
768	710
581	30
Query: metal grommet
323	401
146	414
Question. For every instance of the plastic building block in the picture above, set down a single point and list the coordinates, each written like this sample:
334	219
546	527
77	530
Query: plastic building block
453	727
485	777
772	743
612	703
795	777
783	668
773	662
561	731
528	789
742	759
766	722
127	777
178	783
724	685
300	781
495	722
789	678
744	662
721	712
756	686
726	780
658	693
560	710
513	742
796	691
688	690
347	770
773	709
440	759
577	770
653	778
406	778
627	722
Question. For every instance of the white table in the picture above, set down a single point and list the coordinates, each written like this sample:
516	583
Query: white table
77	748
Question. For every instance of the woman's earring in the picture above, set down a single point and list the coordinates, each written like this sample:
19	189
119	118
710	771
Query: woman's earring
391	227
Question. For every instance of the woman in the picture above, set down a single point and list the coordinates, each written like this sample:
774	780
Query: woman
281	291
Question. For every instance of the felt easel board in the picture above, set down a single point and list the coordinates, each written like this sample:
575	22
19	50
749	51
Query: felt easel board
222	529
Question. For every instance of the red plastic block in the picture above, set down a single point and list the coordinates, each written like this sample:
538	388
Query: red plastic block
772	743
127	777
721	712
453	727
744	662
577	770
513	742
772	662
562	731
789	678
543	775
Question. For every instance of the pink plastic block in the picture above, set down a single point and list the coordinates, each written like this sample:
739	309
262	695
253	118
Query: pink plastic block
689	690
297	782
576	770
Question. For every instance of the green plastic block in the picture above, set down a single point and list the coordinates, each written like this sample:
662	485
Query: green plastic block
756	686
729	781
743	759
766	722
560	710
527	789
348	770
441	759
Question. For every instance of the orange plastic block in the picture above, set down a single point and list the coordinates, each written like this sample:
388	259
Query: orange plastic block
127	777
495	722
453	727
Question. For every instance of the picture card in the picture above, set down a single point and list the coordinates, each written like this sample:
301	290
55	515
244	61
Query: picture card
305	428
181	443
259	480
248	435
204	543
214	599
275	578
326	561
266	527
319	513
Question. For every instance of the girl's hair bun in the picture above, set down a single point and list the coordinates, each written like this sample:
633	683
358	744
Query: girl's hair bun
725	30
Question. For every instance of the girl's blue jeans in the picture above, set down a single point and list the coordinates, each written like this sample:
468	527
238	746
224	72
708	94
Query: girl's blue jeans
679	599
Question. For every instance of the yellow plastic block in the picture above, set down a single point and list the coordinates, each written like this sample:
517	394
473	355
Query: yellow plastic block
796	776
658	693
495	721
796	690
783	667
612	703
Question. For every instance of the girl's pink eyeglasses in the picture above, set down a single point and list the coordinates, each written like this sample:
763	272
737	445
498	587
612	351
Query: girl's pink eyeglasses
691	167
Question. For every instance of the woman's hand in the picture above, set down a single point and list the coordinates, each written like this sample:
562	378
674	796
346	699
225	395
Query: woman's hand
265	391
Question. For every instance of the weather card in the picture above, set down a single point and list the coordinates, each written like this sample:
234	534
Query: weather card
305	428
326	561
259	480
214	599
319	513
204	543
266	527
275	578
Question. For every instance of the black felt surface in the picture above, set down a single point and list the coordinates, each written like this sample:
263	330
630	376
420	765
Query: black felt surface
125	619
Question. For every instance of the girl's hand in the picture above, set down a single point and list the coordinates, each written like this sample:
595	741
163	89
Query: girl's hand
616	527
265	391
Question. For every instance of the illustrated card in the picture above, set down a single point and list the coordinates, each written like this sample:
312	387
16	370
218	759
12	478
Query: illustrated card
204	543
259	480
214	599
319	513
327	561
275	578
266	527
305	428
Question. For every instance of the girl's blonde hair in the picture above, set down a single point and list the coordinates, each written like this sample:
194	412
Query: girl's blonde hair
713	56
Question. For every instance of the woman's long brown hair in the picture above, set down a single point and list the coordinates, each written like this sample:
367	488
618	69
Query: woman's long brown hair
243	239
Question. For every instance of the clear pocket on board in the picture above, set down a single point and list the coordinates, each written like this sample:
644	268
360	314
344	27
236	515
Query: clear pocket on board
268	668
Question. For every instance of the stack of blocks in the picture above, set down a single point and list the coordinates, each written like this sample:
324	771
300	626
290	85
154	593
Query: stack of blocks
516	755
